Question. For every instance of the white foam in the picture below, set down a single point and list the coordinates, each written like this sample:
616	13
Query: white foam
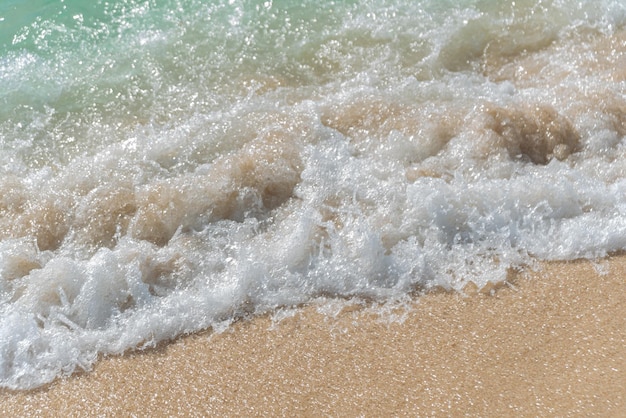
346	171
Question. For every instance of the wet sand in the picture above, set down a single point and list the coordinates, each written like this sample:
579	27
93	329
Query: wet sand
551	344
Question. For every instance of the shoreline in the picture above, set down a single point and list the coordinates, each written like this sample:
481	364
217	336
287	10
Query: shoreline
554	343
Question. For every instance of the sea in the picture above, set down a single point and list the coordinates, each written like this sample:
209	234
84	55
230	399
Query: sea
170	166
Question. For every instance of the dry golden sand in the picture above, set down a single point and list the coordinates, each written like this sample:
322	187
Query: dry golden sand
554	345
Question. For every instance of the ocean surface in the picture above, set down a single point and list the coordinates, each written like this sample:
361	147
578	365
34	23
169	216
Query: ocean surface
170	166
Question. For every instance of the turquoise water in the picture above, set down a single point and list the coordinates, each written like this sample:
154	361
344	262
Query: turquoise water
170	166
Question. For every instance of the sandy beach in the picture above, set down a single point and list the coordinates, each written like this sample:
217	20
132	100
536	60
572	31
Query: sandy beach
167	165
553	343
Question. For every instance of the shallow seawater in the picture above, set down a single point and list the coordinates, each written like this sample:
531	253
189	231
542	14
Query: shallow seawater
168	166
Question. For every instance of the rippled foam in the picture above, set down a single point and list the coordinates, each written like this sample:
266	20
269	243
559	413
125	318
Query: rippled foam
169	169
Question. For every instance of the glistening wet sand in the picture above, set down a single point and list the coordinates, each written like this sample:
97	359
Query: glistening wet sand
552	345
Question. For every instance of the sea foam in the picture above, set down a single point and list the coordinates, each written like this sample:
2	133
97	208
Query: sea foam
170	168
